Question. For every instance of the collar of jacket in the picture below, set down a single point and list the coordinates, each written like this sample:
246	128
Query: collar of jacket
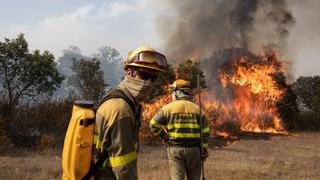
184	98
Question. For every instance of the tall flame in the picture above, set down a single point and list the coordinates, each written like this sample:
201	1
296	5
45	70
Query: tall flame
251	105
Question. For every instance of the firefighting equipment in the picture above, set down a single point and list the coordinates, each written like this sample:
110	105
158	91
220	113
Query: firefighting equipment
184	162
76	156
181	118
138	88
180	84
116	132
146	57
80	139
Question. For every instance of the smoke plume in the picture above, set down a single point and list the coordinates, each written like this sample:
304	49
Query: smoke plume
197	29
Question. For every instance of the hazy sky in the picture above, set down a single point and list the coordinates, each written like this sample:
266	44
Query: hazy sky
126	24
56	24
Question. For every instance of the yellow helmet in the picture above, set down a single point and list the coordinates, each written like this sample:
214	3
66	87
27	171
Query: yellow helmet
181	84
146	57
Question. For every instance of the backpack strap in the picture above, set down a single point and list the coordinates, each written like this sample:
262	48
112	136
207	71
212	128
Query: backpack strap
112	93
117	93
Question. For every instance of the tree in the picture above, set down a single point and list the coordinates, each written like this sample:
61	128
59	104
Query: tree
88	79
111	64
287	106
65	62
189	71
308	92
24	74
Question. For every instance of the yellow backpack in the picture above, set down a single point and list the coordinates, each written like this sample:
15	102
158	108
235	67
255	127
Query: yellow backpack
77	157
77	148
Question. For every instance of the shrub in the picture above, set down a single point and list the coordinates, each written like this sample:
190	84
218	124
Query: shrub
41	123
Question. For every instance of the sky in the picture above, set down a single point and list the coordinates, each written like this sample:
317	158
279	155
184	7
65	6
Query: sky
55	25
126	24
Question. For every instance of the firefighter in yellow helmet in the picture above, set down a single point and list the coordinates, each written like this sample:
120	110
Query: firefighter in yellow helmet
179	122
117	119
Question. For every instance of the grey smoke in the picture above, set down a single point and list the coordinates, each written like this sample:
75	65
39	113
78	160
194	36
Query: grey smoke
199	28
218	32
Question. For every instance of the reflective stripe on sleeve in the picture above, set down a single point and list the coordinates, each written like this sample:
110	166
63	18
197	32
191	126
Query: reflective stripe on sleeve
123	160
154	123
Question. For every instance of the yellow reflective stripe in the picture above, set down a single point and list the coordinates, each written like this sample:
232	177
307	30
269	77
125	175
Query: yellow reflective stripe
123	160
206	130
183	125
154	123
184	135
186	120
205	145
97	142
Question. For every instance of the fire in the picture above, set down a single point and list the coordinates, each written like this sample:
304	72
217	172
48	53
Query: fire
151	109
255	93
247	103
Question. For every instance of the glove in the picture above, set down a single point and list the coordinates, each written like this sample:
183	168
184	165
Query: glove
164	136
204	155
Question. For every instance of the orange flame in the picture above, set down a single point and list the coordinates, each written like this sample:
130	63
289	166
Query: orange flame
252	107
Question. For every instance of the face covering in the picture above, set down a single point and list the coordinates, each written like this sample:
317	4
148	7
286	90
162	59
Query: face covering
180	95
138	88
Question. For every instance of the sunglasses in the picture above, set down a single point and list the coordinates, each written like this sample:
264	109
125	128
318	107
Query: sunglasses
147	76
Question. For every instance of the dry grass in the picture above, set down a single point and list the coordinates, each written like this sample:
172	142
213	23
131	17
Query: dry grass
24	165
293	157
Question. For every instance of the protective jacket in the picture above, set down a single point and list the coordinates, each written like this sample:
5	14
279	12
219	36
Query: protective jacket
116	132
181	120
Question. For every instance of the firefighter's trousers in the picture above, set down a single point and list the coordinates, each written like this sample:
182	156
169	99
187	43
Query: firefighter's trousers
184	162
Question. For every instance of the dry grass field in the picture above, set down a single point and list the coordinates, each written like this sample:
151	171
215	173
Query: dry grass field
251	157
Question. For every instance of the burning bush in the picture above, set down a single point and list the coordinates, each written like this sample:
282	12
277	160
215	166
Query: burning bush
247	93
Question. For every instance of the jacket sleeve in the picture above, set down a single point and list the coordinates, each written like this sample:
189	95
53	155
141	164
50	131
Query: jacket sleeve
122	149
205	132
158	123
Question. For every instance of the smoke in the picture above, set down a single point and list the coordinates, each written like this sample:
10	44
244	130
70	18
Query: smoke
199	28
304	39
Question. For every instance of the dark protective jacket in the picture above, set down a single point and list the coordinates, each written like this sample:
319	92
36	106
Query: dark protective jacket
116	131
181	121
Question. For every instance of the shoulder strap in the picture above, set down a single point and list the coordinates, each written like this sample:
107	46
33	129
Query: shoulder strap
117	93
112	93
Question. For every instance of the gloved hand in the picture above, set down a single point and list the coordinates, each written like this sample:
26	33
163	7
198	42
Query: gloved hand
164	136
204	154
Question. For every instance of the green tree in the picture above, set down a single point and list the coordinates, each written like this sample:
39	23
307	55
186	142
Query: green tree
308	92
88	79
24	74
189	70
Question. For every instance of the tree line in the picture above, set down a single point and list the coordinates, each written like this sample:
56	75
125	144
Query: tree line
36	91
